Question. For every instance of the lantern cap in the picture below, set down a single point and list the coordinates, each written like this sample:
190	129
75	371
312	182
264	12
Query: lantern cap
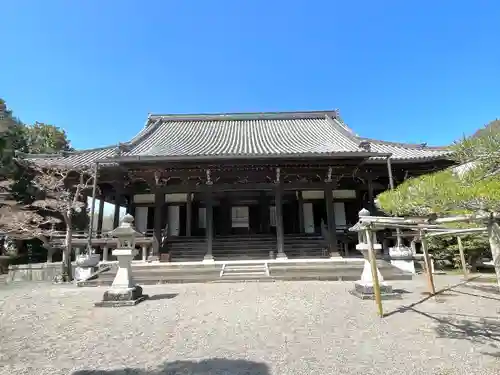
364	212
126	228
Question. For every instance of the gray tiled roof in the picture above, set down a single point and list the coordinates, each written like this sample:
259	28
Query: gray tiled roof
306	134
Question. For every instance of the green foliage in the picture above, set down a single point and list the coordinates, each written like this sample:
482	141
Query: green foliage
46	139
473	187
475	248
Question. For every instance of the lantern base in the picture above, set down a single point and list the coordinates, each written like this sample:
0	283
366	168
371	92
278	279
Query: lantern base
122	297
366	291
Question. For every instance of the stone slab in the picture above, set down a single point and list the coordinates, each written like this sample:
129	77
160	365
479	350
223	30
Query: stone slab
366	292
121	303
368	289
129	295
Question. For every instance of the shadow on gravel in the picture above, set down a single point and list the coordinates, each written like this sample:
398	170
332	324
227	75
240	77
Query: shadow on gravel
481	330
493	289
214	366
440	296
157	297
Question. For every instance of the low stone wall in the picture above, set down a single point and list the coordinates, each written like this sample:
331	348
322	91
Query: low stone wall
35	272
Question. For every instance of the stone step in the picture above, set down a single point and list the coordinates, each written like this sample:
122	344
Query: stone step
244	274
231	267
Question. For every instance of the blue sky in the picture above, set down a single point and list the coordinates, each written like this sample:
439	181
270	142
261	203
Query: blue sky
398	70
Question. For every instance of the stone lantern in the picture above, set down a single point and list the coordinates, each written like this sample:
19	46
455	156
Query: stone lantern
363	288
124	291
402	257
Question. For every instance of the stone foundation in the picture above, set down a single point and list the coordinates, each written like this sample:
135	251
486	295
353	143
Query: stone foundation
35	272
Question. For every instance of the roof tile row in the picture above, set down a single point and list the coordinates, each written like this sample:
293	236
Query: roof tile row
310	134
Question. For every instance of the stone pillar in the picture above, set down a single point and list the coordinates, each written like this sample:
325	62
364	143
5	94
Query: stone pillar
105	251
158	220
280	240
100	216
144	253
300	202
124	291
209	227
330	217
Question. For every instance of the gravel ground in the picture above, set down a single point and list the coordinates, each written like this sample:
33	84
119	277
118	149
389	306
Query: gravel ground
250	328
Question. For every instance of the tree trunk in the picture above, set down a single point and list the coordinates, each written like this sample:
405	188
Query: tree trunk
494	239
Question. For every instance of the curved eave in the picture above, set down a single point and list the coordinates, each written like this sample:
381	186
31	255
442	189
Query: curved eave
332	155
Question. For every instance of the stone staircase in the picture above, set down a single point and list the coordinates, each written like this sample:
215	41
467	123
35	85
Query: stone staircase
244	271
245	247
305	246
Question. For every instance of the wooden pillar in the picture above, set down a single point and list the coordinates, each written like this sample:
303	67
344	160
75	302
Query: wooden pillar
330	217
189	214
158	219
264	212
116	217
279	223
300	202
131	205
100	216
371	199
209	227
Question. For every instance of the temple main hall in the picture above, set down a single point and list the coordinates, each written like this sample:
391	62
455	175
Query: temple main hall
242	186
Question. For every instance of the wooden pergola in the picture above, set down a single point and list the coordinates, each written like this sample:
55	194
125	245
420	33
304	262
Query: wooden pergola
423	228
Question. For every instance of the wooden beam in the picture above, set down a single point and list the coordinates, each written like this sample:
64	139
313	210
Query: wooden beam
452	232
428	267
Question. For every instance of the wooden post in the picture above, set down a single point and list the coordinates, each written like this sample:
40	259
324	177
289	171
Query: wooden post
100	216
373	264
371	199
330	217
189	214
427	261
264	212
116	216
462	258
279	223
92	213
300	202
131	205
209	227
158	219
